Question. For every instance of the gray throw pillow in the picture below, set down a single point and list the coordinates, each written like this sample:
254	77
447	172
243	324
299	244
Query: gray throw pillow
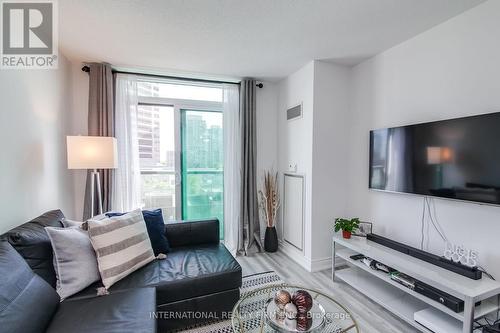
75	261
70	223
67	223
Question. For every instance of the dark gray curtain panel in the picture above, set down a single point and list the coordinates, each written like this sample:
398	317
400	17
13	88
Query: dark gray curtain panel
100	123
249	225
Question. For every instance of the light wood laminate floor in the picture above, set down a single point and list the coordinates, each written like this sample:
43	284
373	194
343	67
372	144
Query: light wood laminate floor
370	316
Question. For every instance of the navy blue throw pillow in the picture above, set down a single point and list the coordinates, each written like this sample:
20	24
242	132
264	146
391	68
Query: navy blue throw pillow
156	229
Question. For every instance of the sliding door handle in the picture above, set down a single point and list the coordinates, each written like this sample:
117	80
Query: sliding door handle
178	178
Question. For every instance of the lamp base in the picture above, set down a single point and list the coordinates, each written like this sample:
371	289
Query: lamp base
95	182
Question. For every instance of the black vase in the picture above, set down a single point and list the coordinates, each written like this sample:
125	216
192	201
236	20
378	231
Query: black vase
271	240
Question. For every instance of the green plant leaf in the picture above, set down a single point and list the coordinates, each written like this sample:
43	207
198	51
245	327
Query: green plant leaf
346	224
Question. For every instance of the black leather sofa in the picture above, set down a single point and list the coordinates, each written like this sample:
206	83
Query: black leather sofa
198	282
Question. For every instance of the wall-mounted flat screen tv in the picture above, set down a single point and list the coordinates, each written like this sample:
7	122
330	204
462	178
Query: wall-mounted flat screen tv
456	159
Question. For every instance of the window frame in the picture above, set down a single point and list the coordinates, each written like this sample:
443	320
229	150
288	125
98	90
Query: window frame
179	105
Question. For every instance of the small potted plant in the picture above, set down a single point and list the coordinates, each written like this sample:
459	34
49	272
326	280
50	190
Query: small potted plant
347	226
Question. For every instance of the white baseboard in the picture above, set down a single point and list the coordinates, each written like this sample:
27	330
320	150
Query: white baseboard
296	255
321	264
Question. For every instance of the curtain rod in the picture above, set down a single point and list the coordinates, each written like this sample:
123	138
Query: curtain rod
87	70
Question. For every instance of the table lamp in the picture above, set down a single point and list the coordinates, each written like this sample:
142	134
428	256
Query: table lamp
92	152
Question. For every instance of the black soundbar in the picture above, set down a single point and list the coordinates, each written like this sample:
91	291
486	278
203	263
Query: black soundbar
451	302
470	272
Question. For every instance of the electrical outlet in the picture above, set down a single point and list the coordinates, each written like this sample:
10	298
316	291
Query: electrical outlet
292	167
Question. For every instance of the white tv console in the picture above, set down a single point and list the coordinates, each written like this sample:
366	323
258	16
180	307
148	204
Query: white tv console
402	301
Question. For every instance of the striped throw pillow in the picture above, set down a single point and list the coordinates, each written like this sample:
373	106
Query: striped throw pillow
121	244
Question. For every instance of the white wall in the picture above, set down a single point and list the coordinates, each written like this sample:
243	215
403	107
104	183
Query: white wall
452	70
295	141
316	143
33	123
79	126
267	134
330	151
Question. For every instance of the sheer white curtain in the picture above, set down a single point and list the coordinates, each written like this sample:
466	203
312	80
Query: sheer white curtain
126	193
232	165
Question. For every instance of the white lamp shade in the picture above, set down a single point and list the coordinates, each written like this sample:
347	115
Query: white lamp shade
91	152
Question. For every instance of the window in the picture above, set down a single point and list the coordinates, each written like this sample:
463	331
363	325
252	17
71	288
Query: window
157	157
179	91
202	164
180	140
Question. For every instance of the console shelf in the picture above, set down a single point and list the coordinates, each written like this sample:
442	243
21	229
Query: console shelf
403	301
394	300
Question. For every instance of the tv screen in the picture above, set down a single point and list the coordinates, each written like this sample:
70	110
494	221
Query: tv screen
456	159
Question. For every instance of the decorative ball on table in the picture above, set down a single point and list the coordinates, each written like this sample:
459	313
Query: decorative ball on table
303	301
290	311
304	321
282	298
291	324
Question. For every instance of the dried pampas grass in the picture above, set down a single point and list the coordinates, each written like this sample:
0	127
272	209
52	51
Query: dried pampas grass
269	199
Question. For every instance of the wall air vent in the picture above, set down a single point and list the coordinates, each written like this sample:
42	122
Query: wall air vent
295	112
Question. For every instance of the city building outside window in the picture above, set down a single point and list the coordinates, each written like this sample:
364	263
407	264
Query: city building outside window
180	140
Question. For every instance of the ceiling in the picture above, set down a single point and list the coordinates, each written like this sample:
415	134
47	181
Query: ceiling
266	39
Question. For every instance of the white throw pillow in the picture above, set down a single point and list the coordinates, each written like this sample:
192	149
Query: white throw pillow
121	244
75	262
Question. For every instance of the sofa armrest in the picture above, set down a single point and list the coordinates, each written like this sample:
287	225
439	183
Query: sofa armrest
187	233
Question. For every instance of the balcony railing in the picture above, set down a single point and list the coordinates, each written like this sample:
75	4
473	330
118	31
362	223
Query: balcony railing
203	192
158	191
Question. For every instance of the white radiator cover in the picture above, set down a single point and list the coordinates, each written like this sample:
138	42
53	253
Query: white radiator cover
293	210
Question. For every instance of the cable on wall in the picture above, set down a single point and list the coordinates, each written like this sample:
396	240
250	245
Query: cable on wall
434	222
422	224
431	212
433	203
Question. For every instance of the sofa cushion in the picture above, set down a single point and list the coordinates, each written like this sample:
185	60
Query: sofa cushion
148	275
27	302
33	243
196	271
192	233
156	229
127	311
185	273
